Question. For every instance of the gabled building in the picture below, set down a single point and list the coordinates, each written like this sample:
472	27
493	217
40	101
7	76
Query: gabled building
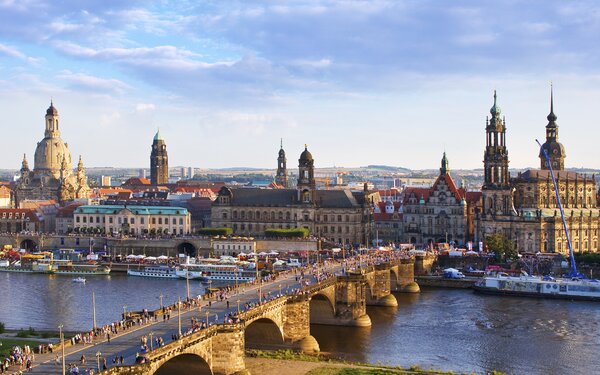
439	213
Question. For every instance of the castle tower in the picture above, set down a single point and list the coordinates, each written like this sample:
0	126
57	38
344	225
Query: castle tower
496	190
306	177
282	176
555	149
159	161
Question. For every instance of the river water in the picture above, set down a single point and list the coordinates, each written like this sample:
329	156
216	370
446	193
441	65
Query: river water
438	328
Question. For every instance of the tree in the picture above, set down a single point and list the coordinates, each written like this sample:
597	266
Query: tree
501	246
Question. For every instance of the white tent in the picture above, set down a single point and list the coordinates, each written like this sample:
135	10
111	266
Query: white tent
131	256
273	253
262	254
242	254
163	257
150	258
140	256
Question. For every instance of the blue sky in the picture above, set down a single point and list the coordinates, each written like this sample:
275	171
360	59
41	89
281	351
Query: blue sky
361	82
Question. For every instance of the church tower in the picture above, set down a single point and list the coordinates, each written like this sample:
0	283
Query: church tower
282	176
159	161
555	149
496	190
306	177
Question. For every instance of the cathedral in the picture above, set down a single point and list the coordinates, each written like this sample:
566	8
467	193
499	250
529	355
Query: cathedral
524	208
52	176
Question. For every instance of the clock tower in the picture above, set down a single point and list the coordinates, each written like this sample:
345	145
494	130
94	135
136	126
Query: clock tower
159	161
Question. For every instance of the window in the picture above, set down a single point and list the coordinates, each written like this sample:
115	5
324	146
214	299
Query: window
159	220
110	220
142	220
224	215
132	220
339	217
77	219
180	221
153	220
85	219
174	221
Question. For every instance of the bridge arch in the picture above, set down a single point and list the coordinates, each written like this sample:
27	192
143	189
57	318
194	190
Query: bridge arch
187	248
394	280
186	363
264	333
322	309
28	244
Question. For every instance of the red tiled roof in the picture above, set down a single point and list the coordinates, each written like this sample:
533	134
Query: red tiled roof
418	192
473	196
67	211
458	194
136	181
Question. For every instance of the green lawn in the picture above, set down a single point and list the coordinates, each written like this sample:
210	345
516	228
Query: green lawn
8	344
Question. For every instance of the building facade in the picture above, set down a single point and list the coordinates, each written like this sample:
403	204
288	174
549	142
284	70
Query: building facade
132	220
439	213
52	176
525	208
16	220
159	161
342	216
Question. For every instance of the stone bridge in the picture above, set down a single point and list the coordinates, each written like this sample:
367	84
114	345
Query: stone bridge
281	323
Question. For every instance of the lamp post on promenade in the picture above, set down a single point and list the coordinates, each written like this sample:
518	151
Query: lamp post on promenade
151	334
94	309
238	303
206	319
179	316
98	354
62	347
124	312
161	301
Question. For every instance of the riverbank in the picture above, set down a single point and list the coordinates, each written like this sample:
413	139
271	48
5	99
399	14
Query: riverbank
292	363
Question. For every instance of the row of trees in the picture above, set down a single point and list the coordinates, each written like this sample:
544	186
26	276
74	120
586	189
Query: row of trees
503	248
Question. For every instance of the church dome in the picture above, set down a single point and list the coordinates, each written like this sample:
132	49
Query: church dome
306	155
49	154
554	149
51	111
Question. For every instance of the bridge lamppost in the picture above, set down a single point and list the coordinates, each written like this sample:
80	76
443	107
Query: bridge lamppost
207	319
179	316
98	354
62	347
279	290
238	303
151	334
124	312
94	308
161	301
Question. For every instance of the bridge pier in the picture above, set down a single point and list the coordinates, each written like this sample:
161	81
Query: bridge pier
228	351
405	277
380	287
351	297
296	325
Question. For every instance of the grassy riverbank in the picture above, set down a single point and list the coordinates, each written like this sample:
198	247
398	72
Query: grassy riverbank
9	343
293	363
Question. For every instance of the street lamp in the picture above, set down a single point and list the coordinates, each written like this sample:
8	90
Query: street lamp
62	347
179	315
207	319
151	334
124	312
98	354
279	290
238	303
94	309
161	301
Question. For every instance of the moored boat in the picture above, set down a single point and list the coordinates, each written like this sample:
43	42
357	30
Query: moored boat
539	287
160	272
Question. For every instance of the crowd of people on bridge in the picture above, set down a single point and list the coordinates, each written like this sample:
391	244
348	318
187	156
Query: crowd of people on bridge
22	357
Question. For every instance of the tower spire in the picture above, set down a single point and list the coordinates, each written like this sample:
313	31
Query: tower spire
551	116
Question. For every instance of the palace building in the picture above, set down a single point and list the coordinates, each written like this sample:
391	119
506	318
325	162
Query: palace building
342	216
524	208
52	177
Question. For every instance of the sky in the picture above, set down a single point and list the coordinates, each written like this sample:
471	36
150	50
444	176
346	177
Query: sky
360	82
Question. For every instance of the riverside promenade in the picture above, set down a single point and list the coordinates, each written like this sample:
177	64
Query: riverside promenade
127	343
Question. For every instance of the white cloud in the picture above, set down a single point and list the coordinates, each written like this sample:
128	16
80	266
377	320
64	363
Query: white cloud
92	83
15	53
144	107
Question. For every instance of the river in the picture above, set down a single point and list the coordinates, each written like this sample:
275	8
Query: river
439	328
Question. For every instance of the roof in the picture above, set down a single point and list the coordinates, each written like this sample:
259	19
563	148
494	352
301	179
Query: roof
543	174
418	192
285	197
67	211
137	210
158	136
472	196
19	212
136	181
383	216
458	193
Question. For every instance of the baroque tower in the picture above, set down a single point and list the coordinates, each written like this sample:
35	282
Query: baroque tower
496	190
282	176
159	161
555	149
306	177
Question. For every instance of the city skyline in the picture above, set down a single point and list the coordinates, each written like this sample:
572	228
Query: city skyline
398	82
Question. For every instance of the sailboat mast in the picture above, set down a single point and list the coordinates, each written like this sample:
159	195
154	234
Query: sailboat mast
562	214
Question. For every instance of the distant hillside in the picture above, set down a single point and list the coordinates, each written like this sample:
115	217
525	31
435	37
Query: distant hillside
388	168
